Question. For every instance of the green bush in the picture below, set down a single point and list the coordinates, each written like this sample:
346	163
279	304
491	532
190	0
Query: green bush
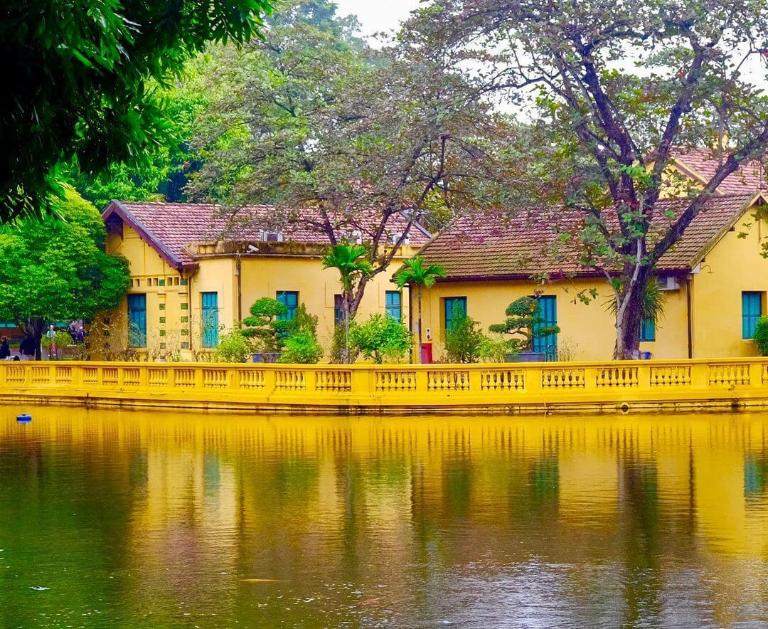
463	341
302	348
233	347
761	336
380	338
495	350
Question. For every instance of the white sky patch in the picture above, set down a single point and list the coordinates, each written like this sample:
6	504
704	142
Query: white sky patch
377	15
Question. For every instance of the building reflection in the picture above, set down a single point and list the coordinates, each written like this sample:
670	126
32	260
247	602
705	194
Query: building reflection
223	512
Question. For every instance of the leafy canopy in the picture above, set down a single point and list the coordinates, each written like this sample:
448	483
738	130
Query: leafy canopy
77	82
416	273
56	268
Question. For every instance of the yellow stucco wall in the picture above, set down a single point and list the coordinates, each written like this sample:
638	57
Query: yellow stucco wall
586	330
734	265
174	302
264	277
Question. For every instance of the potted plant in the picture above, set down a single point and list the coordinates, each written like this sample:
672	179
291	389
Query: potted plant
522	323
381	338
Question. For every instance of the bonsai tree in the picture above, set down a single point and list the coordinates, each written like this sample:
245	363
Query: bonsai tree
380	338
414	273
264	326
523	323
352	263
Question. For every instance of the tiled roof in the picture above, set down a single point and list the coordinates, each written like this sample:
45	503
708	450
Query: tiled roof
540	241
702	164
171	227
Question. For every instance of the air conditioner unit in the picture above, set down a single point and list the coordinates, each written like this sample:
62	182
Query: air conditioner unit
669	282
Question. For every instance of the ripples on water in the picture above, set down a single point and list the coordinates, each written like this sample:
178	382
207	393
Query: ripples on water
160	519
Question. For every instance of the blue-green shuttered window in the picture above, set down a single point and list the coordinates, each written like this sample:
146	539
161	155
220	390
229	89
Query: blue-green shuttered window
455	309
394	304
648	330
210	303
137	320
547	314
751	310
290	299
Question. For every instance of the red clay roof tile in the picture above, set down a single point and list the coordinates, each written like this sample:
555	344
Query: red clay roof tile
532	243
172	227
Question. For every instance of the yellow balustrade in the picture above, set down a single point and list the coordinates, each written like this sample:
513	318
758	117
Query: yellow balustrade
485	388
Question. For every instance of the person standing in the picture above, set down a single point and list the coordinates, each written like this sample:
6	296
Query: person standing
52	349
5	348
27	348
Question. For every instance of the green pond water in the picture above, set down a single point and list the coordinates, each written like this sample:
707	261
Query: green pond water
153	519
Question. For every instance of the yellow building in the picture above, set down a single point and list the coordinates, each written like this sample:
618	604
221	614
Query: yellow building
195	272
714	280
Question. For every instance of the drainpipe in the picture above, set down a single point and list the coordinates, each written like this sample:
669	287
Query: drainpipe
688	285
238	273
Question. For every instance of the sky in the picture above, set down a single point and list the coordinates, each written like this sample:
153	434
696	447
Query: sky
377	15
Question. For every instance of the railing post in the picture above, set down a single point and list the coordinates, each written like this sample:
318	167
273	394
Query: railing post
310	380
269	381
699	375
533	375
422	379
756	373
362	380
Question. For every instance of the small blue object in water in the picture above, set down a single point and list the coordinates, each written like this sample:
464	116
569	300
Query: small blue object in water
24	418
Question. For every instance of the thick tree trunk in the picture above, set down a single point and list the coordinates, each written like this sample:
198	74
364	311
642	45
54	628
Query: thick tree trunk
629	317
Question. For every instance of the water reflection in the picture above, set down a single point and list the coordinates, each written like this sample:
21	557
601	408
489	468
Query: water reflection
169	519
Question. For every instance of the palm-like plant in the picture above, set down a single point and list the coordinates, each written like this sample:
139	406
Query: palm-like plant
414	272
353	265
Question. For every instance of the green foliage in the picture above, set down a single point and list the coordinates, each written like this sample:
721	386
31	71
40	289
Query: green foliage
300	343
264	325
77	82
381	338
496	350
301	347
464	340
522	319
413	272
234	347
761	335
651	303
60	339
56	269
351	261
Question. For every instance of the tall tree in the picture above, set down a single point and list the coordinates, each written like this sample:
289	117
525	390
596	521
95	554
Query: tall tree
614	88
56	269
368	140
76	81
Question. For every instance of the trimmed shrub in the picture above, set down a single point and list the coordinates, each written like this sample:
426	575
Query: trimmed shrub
761	336
302	348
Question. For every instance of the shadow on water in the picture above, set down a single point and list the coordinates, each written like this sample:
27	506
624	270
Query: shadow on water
125	518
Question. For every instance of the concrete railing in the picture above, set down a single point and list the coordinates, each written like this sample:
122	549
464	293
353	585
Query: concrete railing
512	387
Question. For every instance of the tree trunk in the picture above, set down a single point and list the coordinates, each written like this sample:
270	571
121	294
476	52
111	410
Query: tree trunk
629	317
